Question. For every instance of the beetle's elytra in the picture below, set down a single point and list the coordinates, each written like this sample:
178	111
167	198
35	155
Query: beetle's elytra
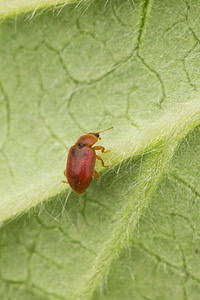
81	162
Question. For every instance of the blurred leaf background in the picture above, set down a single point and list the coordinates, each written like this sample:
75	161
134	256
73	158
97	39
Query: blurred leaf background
82	67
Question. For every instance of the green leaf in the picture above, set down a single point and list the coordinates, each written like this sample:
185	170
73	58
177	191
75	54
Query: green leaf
134	234
13	8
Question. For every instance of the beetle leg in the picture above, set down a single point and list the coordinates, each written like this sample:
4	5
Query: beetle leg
101	148
96	175
102	162
63	181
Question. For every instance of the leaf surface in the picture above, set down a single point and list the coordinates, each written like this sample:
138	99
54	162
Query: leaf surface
134	234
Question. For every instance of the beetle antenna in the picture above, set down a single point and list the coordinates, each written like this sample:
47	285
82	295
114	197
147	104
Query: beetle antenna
105	129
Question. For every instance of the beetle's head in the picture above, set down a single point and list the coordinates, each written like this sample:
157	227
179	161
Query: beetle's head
89	139
95	135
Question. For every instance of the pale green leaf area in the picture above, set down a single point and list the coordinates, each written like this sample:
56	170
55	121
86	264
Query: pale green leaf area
10	8
135	233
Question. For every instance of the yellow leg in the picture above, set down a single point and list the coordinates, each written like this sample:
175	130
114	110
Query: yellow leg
101	148
102	162
64	181
96	175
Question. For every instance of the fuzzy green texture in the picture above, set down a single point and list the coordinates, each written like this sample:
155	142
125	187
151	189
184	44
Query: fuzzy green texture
134	234
15	7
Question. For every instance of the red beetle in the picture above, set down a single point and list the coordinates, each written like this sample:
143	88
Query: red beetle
81	161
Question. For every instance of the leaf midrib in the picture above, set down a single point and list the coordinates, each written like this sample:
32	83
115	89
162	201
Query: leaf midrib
173	126
131	213
13	8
